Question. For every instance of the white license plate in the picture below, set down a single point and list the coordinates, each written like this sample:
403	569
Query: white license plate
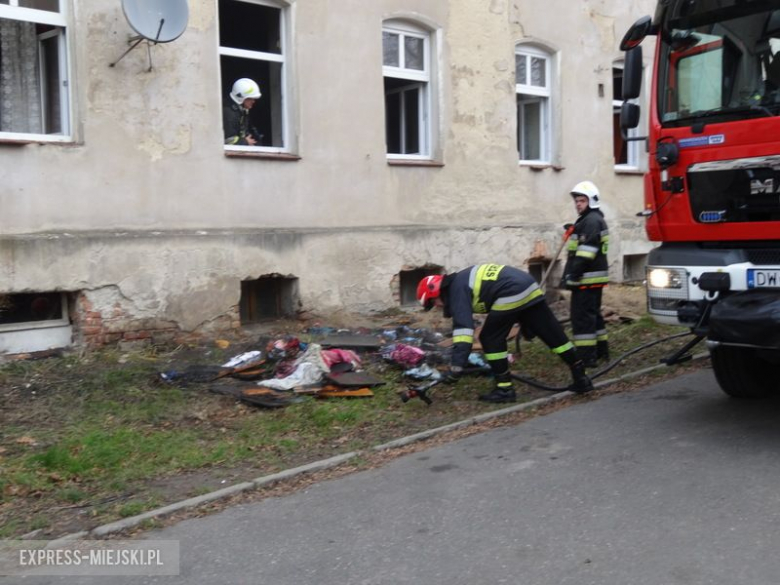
763	278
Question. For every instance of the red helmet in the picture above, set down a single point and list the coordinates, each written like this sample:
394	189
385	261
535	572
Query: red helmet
429	289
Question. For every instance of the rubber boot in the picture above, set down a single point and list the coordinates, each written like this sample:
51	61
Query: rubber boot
602	350
588	356
581	383
503	392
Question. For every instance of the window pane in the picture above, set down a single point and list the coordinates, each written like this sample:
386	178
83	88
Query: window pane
390	46
620	146
530	129
30	307
267	114
538	72
617	84
49	5
393	120
520	65
252	27
20	79
414	49
412	121
50	78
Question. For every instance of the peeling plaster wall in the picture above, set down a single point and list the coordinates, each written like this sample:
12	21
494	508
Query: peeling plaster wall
145	202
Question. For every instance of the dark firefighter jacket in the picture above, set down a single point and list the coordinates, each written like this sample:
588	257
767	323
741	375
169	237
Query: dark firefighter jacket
587	265
235	121
480	289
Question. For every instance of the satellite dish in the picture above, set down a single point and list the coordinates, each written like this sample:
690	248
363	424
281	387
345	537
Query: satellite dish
155	21
159	21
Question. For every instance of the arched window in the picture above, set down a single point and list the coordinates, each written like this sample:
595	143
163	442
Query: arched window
406	67
533	86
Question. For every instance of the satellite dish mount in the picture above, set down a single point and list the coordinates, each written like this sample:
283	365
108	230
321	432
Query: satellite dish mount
154	21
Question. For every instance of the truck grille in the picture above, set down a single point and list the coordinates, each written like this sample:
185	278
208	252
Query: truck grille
764	257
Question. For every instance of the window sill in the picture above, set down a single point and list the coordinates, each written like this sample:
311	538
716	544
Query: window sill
539	166
279	156
628	171
397	162
41	141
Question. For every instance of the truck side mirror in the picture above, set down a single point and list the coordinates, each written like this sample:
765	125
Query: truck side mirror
637	33
632	73
629	116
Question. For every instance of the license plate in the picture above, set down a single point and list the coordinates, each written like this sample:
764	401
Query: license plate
763	278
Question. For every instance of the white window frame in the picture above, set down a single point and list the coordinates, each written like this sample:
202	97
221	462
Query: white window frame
13	11
633	147
534	93
417	78
274	58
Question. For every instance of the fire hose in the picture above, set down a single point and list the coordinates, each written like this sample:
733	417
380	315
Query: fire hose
424	391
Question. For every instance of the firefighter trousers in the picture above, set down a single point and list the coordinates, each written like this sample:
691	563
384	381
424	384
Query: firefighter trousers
587	323
537	319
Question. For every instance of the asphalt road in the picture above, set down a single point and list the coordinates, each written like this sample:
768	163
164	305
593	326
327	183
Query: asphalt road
671	484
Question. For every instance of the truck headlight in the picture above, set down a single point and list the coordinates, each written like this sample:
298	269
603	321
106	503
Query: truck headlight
665	278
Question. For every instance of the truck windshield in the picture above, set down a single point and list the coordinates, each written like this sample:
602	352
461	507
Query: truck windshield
719	64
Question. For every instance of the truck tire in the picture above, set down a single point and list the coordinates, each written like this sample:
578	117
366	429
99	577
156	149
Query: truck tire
743	373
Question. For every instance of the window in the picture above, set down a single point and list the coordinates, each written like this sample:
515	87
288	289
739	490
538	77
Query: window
626	152
533	82
34	92
406	70
252	44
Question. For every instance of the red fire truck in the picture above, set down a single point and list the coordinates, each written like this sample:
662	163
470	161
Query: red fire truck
712	191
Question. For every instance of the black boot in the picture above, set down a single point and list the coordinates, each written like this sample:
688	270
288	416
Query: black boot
602	350
588	356
581	383
503	392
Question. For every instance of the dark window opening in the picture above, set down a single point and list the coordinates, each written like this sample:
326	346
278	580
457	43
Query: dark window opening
252	27
268	297
634	267
536	269
31	307
408	281
402	116
620	146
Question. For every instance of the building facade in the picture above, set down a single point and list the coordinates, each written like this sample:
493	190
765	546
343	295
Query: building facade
394	138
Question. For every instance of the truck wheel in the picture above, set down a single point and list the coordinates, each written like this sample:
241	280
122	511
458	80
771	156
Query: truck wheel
743	373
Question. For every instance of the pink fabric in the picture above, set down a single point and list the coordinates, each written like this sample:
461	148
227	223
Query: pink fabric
407	356
335	356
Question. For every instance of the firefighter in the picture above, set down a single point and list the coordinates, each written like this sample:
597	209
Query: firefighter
508	296
587	273
235	115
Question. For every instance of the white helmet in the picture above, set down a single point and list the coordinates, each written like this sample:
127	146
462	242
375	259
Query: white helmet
244	88
589	190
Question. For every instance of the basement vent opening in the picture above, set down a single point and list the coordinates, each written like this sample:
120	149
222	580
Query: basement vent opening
409	279
634	267
18	310
269	297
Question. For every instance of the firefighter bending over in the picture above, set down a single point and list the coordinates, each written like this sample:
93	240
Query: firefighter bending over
508	296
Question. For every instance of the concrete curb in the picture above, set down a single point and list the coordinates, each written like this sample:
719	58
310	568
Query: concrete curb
266	480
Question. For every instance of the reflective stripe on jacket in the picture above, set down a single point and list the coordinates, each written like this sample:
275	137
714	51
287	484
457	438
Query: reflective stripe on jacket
480	289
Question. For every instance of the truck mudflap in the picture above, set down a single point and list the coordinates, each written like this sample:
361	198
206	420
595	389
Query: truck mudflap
750	318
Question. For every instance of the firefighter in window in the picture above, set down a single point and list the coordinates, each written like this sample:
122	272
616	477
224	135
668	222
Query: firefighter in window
508	296
235	116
